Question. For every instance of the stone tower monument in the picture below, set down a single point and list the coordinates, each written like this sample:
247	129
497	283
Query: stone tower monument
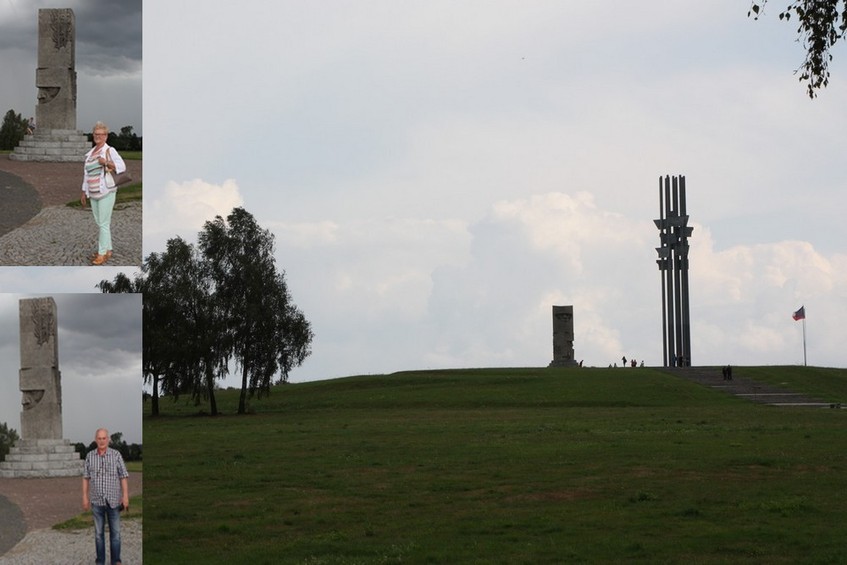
41	452
40	380
56	137
563	355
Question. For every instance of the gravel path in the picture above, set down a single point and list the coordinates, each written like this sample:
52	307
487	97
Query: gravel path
73	548
63	236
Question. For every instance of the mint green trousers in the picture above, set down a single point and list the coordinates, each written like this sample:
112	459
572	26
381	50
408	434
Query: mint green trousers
102	210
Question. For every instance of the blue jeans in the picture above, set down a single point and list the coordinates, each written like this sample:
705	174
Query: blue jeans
113	515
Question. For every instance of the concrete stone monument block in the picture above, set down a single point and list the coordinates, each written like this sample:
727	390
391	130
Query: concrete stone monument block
55	76
41	452
56	137
40	380
563	353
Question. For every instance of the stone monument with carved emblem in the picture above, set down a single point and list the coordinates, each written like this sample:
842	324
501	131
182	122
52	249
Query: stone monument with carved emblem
41	452
563	354
56	137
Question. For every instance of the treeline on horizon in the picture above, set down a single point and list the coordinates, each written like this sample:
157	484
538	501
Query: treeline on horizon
130	452
15	126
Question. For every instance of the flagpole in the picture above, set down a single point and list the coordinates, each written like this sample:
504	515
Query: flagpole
804	342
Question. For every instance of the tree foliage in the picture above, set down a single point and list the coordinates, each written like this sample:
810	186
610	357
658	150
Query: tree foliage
8	437
182	353
126	140
222	300
263	329
129	451
820	24
12	131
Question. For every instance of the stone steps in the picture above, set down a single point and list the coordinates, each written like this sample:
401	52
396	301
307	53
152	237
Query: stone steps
56	145
42	458
748	389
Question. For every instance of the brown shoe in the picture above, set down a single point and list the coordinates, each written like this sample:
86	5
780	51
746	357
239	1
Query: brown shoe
107	255
100	259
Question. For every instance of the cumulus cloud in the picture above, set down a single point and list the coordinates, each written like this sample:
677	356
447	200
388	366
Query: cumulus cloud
528	255
183	208
306	234
743	297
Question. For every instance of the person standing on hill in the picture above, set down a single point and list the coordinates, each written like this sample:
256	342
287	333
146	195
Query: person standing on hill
105	490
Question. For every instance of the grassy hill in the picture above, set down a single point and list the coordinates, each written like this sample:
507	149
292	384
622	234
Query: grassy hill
501	466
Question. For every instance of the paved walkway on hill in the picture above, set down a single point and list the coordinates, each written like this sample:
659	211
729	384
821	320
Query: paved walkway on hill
748	389
38	229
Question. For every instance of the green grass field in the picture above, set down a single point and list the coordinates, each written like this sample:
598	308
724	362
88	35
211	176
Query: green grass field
500	466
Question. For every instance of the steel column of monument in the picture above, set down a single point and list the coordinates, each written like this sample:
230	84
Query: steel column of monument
674	232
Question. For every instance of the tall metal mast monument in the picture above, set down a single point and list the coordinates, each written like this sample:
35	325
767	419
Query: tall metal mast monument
674	232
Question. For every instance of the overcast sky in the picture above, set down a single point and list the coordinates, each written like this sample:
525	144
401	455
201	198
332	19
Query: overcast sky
439	174
108	60
99	359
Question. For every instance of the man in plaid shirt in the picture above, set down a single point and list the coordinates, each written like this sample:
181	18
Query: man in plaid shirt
106	492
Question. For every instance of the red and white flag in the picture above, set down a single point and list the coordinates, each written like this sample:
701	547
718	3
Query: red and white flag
799	314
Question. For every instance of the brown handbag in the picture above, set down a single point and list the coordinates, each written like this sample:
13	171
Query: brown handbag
114	180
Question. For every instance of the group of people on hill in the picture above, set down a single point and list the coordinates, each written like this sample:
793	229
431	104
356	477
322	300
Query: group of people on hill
632	362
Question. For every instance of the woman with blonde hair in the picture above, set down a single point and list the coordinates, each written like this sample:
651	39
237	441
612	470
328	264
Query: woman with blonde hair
98	161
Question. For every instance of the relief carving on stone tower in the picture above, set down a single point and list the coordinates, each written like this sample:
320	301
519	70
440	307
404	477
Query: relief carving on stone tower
60	28
43	321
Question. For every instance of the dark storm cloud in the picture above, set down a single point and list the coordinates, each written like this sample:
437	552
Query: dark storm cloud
8	330
106	321
108	34
20	23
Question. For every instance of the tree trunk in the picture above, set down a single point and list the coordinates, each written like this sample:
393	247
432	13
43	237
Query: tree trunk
242	399
210	387
155	410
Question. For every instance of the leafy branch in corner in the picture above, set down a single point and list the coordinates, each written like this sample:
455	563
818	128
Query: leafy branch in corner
821	23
